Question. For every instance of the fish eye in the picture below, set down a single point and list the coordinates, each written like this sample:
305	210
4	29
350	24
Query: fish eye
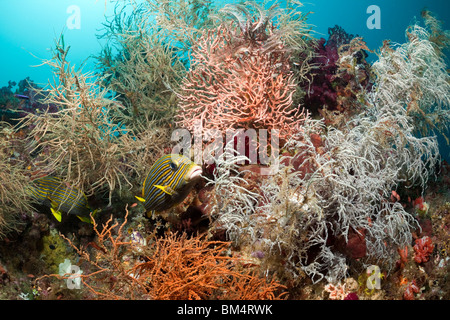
173	166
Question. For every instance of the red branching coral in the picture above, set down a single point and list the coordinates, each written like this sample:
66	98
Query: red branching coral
422	249
403	257
410	290
238	83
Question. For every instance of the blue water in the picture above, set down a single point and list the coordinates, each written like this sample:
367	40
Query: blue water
28	28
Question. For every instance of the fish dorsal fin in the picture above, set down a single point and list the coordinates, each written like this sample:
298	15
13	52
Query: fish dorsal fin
56	214
166	189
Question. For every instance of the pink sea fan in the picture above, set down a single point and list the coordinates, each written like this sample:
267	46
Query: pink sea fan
236	83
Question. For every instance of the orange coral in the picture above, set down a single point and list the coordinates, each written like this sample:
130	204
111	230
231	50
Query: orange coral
403	257
183	268
171	267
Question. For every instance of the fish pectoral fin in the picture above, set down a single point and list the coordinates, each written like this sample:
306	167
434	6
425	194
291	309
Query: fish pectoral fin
93	214
151	214
166	189
140	199
56	214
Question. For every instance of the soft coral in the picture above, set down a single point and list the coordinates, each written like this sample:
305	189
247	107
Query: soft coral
333	87
410	290
322	91
422	249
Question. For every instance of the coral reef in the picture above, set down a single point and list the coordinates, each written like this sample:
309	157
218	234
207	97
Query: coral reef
14	199
344	211
80	142
171	267
146	55
334	201
339	77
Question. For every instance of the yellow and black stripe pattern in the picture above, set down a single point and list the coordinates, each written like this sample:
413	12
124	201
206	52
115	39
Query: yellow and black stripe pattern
168	182
54	193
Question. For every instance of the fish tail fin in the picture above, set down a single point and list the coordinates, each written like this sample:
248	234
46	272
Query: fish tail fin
56	214
88	219
85	219
94	213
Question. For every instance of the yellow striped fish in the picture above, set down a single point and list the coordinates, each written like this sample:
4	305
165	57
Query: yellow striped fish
169	181
54	193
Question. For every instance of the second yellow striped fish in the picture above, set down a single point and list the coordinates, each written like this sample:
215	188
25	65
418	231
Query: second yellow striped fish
54	193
